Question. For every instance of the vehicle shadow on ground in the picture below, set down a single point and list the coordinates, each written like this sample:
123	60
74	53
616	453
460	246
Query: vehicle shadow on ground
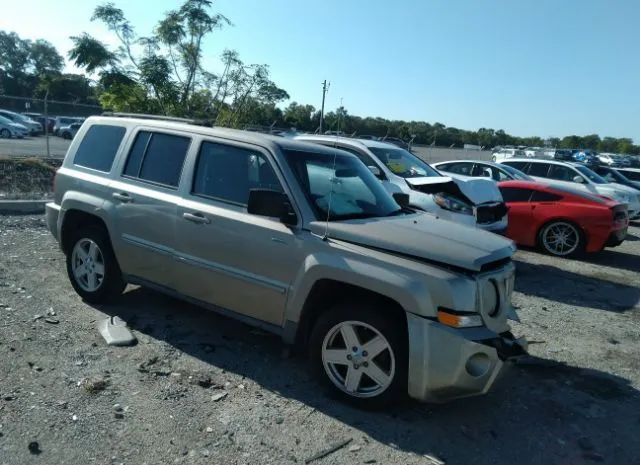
534	402
550	282
614	259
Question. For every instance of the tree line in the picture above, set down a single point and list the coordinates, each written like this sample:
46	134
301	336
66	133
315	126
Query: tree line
163	72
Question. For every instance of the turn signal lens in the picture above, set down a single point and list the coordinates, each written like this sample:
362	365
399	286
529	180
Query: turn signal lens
446	317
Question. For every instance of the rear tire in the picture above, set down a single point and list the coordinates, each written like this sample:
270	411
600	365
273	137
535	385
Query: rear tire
561	238
361	354
92	266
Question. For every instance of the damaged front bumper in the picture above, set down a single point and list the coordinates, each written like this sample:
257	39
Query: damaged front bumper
447	363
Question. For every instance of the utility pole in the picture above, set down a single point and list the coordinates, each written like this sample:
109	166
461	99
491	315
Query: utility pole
325	88
46	121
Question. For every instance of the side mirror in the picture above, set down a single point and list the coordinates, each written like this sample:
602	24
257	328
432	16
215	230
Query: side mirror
274	204
401	199
376	171
578	179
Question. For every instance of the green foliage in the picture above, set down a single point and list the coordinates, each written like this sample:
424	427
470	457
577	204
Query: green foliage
90	53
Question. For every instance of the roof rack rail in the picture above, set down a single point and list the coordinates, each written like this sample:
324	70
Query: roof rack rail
157	118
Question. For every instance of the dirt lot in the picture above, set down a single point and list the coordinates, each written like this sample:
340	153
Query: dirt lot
67	398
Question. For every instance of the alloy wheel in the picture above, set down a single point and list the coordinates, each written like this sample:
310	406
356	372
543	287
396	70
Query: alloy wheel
87	264
358	359
560	238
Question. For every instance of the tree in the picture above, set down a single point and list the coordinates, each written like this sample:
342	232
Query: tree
169	68
44	58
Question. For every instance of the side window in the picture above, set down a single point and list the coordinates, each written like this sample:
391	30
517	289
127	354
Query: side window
228	173
500	175
99	147
540	196
538	169
481	171
561	173
157	157
515	194
519	165
460	168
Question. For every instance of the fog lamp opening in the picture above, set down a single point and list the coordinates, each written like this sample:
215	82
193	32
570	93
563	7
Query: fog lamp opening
478	365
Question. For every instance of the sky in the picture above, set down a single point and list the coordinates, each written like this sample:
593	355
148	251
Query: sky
530	67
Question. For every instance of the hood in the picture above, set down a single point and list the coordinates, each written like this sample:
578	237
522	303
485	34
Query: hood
18	126
477	190
623	188
423	237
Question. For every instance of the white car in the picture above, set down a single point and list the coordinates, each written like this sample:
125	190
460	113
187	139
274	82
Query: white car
33	126
579	176
9	129
474	202
504	154
607	158
481	169
533	152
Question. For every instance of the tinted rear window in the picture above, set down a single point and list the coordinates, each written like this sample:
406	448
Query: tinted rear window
519	165
515	194
538	169
157	158
539	196
99	146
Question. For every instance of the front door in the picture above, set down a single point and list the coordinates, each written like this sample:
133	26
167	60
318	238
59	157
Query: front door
226	256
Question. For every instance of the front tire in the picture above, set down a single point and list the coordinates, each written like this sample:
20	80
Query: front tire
562	239
361	354
5	134
92	266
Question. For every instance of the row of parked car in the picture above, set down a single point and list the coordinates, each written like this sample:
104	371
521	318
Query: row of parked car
586	156
20	125
564	207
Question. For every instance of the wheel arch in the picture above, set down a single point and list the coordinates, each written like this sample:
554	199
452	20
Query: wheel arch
565	219
75	219
326	293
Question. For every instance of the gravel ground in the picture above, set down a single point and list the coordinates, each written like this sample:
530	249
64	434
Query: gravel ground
202	389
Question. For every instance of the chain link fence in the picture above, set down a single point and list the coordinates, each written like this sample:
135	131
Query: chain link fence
52	108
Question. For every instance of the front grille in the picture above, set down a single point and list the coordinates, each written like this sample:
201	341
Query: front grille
490	213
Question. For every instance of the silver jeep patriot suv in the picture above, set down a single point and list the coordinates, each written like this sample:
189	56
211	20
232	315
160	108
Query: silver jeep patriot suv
296	238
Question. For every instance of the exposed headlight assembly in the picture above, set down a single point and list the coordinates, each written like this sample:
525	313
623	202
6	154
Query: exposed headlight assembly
448	202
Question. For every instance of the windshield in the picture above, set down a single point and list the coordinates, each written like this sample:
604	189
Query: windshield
612	176
593	177
515	173
349	191
403	163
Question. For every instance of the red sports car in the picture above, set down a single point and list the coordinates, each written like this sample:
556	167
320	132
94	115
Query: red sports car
562	221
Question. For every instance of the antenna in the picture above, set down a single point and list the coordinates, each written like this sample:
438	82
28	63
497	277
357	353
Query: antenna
335	155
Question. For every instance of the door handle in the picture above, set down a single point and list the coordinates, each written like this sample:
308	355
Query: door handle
196	218
122	197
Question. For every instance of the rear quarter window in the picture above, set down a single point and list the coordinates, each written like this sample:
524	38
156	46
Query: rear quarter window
515	194
99	146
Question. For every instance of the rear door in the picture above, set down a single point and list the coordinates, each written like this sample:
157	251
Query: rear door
144	198
228	257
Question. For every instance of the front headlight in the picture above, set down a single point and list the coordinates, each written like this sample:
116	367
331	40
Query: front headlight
448	202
